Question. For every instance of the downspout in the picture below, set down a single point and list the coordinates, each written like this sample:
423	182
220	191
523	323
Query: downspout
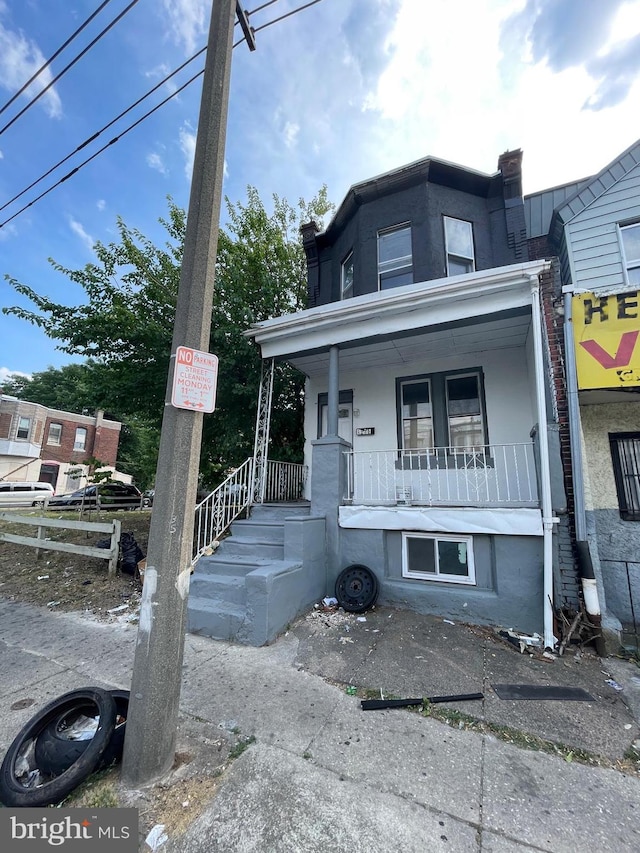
545	477
585	565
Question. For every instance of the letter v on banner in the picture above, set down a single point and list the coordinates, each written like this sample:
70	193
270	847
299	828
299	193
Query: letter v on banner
607	353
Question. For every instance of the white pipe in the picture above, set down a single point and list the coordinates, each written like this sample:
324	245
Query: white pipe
545	477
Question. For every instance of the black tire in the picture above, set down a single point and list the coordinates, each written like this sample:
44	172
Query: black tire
356	588
17	789
38	504
55	751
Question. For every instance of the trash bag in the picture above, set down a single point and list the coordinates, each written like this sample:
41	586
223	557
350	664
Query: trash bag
131	553
103	543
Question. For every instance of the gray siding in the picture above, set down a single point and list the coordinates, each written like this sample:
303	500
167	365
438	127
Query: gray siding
539	207
592	236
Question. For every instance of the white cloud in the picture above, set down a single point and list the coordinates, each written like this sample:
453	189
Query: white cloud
1	154
6	373
187	140
188	22
154	161
291	131
19	59
78	229
101	204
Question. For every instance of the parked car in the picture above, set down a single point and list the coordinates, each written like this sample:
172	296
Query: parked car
147	497
110	495
25	494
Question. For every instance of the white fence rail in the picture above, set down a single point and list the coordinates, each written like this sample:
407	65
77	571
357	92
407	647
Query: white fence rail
285	481
38	541
492	475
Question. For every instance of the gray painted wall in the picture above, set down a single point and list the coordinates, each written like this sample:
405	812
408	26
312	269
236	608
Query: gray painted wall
509	577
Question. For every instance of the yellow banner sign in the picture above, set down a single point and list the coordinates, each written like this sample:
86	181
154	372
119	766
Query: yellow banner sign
606	331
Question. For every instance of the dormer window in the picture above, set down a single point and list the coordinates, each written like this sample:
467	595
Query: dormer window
631	248
395	260
459	246
346	277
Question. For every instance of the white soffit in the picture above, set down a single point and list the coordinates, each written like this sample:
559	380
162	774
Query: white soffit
511	521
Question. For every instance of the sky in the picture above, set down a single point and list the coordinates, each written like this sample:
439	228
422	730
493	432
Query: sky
334	94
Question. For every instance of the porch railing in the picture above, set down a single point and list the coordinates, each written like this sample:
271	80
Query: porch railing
284	481
490	475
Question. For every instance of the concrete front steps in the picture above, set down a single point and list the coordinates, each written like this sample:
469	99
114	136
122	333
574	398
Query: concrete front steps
269	569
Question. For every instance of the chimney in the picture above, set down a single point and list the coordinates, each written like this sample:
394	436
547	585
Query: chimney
510	167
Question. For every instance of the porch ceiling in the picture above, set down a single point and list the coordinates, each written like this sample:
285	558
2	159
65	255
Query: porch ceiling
509	330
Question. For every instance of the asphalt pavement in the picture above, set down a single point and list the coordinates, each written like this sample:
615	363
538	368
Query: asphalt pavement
322	774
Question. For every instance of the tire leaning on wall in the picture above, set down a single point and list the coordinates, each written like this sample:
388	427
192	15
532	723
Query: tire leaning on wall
22	783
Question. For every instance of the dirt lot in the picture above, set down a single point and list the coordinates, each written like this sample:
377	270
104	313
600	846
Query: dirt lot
69	581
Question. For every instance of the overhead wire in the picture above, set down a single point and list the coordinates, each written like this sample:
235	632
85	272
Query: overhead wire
136	123
55	55
68	66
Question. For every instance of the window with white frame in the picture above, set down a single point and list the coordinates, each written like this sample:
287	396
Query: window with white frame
80	442
458	235
442	410
438	557
395	259
630	235
55	434
346	277
24	428
625	453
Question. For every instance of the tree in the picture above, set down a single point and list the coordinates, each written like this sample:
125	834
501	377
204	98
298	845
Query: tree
124	325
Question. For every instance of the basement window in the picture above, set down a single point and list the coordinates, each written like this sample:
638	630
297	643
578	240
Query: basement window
440	557
625	454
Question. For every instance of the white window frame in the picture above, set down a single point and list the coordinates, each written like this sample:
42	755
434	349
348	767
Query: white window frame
437	577
346	292
455	255
22	419
483	420
80	445
403	384
628	263
57	441
402	264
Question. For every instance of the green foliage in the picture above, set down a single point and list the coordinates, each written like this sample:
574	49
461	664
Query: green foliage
124	325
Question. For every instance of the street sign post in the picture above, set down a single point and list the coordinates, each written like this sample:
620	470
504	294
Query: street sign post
194	380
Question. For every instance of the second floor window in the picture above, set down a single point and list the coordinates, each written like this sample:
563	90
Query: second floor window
458	236
24	428
55	434
346	277
631	246
80	442
395	260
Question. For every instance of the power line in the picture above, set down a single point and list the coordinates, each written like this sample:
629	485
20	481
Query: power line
54	56
70	65
135	124
94	136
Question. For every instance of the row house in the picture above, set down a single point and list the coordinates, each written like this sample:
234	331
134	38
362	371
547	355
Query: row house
38	444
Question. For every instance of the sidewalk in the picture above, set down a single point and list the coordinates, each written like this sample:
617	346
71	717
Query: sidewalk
324	775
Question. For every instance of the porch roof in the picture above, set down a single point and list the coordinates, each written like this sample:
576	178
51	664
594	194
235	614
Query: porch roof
494	304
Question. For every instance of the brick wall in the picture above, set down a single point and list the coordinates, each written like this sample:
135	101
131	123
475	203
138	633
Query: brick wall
567	584
102	443
5	424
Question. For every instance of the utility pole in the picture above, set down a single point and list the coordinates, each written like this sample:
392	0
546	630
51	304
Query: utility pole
152	717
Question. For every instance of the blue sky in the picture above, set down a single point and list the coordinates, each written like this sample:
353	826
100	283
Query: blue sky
338	93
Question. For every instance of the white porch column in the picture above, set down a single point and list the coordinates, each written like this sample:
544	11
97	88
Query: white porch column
333	396
545	477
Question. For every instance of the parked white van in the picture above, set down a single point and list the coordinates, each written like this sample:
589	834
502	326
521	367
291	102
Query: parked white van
24	494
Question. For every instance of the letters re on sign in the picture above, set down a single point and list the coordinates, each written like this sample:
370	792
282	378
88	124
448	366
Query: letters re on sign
194	380
606	331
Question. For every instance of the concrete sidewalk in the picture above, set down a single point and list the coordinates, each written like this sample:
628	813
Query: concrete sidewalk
324	775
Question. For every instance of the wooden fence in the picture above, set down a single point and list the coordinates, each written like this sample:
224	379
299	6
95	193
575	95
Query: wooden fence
38	542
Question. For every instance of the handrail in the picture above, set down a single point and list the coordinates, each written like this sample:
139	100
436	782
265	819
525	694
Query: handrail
215	513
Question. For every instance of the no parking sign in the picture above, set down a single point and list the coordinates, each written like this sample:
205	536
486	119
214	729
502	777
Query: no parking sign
195	379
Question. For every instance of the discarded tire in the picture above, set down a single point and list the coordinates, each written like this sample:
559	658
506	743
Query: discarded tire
64	740
23	783
356	588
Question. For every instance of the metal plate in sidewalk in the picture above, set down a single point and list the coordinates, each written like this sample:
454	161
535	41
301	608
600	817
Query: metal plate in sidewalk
538	691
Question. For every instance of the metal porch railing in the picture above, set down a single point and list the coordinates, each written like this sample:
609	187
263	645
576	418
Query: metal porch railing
284	481
490	475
